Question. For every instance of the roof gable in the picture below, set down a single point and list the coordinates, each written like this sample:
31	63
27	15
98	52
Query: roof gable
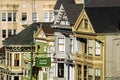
69	13
83	24
40	34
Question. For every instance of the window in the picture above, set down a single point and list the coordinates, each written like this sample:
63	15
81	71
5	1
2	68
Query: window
9	17
83	45
71	45
3	33
90	47
14	31
60	69
3	16
16	78
34	17
61	45
51	17
90	73
97	74
85	23
24	16
16	60
85	72
9	32
14	17
97	48
46	17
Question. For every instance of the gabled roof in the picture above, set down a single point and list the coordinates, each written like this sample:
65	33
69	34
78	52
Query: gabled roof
104	19
103	3
25	37
72	12
59	2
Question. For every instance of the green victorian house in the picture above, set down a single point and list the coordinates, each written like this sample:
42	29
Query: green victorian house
17	54
44	45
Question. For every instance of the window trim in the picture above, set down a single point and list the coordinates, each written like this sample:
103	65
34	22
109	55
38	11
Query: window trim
97	47
61	45
4	18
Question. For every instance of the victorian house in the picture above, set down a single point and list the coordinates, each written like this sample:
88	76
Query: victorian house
17	54
44	45
97	29
65	43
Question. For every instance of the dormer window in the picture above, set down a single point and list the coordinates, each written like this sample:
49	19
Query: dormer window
85	23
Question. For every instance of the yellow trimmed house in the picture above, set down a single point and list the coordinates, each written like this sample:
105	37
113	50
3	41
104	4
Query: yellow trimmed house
96	28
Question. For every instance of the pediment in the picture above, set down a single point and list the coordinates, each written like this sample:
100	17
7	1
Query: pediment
83	24
40	34
61	18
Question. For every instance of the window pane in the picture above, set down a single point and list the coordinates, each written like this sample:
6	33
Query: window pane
90	46
97	74
46	18
14	17
16	78
9	32
14	31
61	41
90	73
24	16
4	33
9	16
51	17
34	17
98	48
85	23
60	69
3	16
61	45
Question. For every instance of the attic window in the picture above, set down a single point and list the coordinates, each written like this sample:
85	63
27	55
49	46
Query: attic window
85	23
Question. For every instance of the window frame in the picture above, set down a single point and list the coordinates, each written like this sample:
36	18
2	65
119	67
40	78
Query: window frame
51	16
9	17
85	23
97	48
4	17
90	46
61	69
4	33
24	16
61	46
46	17
16	60
34	17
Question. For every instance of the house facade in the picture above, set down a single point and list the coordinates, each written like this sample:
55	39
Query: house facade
18	55
98	34
65	42
44	42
